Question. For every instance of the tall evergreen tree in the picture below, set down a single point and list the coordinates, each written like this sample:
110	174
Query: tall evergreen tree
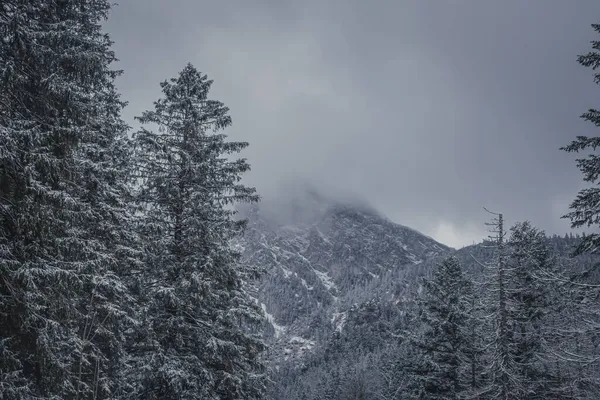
444	368
585	212
585	209
475	352
534	308
64	238
523	304
502	374
194	345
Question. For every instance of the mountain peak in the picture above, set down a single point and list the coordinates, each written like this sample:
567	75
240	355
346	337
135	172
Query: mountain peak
304	204
318	253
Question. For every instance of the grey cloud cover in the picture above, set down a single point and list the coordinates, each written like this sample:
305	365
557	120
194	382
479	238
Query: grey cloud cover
429	110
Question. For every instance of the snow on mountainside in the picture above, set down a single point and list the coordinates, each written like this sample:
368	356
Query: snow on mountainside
340	288
315	258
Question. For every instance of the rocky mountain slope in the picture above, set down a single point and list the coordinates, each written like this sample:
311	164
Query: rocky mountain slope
315	259
339	283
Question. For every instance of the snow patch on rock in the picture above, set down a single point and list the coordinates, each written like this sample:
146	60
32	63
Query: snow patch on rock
326	279
279	329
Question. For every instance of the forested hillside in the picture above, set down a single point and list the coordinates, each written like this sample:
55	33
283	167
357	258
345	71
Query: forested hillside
344	291
137	263
117	278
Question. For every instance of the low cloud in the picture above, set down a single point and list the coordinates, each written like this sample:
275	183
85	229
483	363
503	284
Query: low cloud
430	111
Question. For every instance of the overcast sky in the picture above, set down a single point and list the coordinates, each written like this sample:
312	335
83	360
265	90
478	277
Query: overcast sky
428	109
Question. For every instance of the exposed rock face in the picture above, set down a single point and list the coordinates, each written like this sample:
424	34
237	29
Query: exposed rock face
315	254
339	287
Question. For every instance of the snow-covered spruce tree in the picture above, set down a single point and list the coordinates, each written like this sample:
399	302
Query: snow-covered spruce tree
502	372
585	212
523	303
443	369
585	209
193	345
535	300
63	225
397	369
475	352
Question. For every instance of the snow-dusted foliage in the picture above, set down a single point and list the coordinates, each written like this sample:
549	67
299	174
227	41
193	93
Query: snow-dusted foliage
536	303
371	336
105	293
64	239
583	287
443	367
503	297
585	209
124	273
525	304
335	275
193	342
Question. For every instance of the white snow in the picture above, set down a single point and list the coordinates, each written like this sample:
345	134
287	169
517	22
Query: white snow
325	279
279	329
299	346
305	344
239	247
322	236
286	272
306	284
414	259
339	319
303	258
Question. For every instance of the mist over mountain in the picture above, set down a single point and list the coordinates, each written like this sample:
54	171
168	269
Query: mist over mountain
322	258
283	200
340	281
